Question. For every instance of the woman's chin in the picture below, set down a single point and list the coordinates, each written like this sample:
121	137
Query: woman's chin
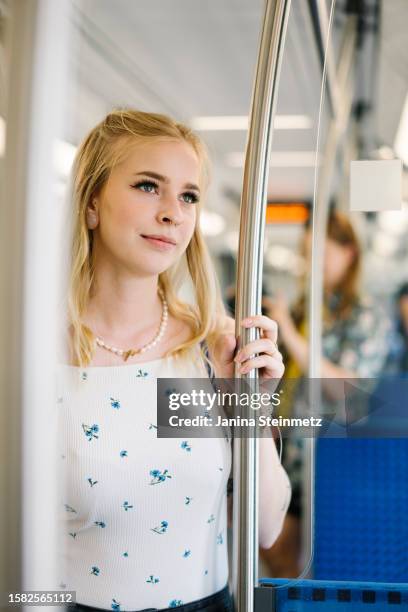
151	269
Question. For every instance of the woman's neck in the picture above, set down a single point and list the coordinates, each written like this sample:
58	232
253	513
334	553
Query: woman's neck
125	308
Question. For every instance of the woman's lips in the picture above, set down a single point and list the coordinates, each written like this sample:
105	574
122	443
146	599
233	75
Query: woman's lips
161	245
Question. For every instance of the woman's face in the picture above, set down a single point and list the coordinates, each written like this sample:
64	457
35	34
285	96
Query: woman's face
337	261
153	194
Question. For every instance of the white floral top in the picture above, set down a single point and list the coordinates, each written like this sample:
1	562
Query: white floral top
144	520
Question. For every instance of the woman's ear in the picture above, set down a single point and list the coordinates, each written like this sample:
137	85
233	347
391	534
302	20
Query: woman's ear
92	214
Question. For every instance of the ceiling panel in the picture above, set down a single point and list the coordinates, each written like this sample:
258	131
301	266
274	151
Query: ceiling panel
190	58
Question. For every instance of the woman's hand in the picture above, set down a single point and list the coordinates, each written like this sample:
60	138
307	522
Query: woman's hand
269	359
278	309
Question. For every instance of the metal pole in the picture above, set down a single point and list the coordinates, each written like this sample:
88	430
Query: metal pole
322	196
320	209
248	291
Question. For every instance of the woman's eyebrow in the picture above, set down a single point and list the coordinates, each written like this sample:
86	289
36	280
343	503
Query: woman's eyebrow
164	179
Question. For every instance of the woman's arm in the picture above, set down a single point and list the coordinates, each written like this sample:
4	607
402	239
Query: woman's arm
298	349
274	493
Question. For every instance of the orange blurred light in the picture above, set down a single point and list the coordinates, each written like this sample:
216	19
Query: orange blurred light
292	212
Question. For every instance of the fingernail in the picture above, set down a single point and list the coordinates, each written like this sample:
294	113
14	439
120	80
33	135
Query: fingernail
247	322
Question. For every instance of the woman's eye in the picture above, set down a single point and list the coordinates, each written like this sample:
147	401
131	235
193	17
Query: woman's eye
146	186
190	197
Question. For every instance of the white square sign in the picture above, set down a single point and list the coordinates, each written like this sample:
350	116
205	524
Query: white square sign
376	185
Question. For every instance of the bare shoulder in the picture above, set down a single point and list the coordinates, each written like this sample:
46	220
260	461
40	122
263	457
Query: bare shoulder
229	325
179	331
227	328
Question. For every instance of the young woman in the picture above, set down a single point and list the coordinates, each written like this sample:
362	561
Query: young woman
145	519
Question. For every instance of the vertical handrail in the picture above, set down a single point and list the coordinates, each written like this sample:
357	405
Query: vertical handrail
320	211
315	302
248	291
321	196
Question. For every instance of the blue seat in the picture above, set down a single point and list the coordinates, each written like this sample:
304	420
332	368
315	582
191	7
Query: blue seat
361	505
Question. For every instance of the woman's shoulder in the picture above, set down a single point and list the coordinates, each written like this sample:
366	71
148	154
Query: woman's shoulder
226	326
179	332
229	323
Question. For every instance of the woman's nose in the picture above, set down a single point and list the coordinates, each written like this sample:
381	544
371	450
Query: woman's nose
170	211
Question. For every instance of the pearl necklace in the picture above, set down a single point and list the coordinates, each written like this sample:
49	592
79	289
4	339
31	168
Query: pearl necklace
132	352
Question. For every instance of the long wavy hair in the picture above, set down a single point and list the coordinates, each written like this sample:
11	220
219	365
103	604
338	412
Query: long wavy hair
104	147
341	231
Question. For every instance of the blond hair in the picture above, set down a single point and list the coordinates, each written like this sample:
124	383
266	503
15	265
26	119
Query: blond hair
104	147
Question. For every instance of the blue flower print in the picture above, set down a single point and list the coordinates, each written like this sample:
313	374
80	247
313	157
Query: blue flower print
221	469
158	476
100	524
141	374
211	518
125	554
185	445
92	482
126	505
175	602
90	431
115	403
95	570
123	453
188	501
168	392
152	426
206	573
162	528
70	508
84	375
220	539
186	554
115	605
73	534
152	580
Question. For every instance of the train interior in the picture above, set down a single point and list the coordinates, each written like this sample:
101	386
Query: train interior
339	145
